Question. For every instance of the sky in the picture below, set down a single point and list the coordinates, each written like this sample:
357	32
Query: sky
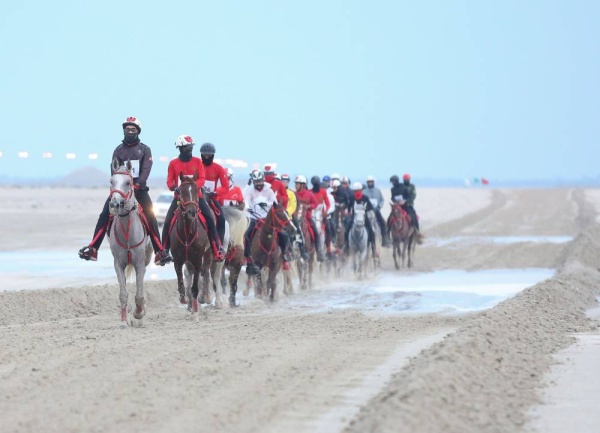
439	89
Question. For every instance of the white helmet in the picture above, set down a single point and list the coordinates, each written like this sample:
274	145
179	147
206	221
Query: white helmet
133	121
257	175
300	179
229	173
357	186
345	179
184	140
370	178
335	176
335	183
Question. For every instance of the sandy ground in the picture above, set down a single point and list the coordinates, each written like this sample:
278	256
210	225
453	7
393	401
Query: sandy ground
65	366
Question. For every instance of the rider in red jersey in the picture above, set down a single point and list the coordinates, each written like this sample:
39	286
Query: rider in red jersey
276	185
234	197
188	165
215	175
307	197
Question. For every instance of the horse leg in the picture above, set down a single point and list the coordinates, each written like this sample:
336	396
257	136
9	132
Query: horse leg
123	295
234	273
206	294
140	302
180	285
272	283
194	296
215	275
411	247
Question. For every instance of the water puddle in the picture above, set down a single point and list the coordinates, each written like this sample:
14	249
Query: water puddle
34	270
449	291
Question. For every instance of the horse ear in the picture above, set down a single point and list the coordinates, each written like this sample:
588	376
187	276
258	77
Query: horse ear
115	164
195	175
128	165
181	176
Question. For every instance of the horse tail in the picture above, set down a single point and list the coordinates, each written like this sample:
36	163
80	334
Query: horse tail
237	224
129	271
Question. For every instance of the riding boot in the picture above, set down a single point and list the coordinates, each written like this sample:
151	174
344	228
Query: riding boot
251	268
303	252
218	253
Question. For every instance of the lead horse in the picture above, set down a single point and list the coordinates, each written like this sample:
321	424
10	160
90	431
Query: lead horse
358	241
129	242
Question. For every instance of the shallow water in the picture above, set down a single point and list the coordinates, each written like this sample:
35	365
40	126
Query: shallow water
449	291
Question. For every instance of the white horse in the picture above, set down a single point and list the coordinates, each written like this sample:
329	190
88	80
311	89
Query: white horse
129	243
317	216
358	240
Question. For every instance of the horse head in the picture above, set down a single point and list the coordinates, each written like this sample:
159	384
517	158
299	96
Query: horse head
281	219
359	217
122	198
188	195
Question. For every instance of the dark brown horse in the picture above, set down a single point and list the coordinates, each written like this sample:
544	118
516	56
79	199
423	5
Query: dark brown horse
265	250
403	235
190	246
339	223
305	268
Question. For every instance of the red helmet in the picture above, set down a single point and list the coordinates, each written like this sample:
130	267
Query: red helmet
406	177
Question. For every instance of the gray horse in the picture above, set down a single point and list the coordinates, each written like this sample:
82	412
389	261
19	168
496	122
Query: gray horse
129	243
358	241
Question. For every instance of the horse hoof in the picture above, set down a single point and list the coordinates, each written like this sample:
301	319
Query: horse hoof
195	317
182	300
123	325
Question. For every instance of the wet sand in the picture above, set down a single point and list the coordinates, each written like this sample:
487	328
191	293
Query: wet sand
66	366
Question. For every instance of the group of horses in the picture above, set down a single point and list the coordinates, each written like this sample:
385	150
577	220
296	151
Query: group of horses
199	277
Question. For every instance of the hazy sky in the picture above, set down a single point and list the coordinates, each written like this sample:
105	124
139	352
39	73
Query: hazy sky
500	89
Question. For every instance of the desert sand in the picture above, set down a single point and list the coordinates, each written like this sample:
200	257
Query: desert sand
65	366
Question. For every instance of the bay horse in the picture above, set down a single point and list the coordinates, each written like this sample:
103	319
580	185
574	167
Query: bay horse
358	240
190	246
305	267
129	242
265	250
403	235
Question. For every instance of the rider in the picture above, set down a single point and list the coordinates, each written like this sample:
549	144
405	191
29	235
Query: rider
234	197
133	150
188	165
359	199
374	194
260	198
215	174
291	210
323	200
326	184
404	192
276	185
307	197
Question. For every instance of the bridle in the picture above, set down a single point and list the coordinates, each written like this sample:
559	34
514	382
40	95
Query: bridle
126	196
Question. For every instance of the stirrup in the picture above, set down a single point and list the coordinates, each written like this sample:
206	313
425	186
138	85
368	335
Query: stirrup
88	253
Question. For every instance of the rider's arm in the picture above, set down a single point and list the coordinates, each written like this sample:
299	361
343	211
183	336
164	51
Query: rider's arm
145	167
224	181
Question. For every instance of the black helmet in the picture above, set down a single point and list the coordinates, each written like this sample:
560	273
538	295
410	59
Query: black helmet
394	179
207	149
315	180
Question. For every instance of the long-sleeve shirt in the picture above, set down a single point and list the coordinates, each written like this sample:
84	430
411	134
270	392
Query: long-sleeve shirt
306	197
292	202
187	169
140	157
374	194
258	202
215	175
